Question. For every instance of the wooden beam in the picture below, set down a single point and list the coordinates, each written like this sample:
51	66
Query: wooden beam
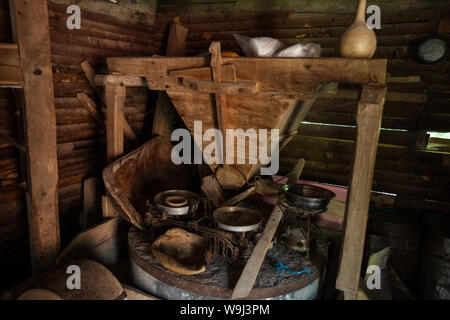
221	100
165	111
275	75
92	108
301	112
9	55
120	80
176	44
10	67
115	100
90	75
370	111
390	96
31	32
90	200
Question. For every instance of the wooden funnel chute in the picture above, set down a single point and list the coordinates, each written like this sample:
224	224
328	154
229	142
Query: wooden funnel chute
242	93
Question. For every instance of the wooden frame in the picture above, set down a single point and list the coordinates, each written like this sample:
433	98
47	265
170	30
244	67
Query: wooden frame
276	78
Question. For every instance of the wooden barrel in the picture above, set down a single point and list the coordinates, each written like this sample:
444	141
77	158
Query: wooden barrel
402	232
434	276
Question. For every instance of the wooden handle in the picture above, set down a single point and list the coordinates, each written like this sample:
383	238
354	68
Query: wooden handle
251	270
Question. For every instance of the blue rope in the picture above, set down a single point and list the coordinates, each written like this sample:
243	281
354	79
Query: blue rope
281	268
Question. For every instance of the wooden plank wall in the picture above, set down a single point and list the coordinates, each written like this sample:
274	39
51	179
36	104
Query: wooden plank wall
420	178
81	142
14	249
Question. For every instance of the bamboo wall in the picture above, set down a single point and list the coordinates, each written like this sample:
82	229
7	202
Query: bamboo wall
419	178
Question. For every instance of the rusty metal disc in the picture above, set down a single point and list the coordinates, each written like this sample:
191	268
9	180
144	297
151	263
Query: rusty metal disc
220	277
237	219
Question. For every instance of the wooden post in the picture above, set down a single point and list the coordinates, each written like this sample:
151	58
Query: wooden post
221	100
115	100
31	32
90	75
254	263
165	112
370	111
90	199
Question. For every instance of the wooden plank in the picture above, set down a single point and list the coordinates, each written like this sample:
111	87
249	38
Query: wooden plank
90	200
330	132
369	115
11	76
251	270
228	75
9	55
120	80
203	15
305	32
165	111
390	96
33	37
223	88
115	99
300	114
221	100
92	108
176	44
283	71
207	20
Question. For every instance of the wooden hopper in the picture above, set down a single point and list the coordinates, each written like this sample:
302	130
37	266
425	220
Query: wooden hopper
241	93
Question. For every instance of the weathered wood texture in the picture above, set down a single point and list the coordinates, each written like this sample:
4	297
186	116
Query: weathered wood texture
165	111
38	113
10	69
417	98
81	142
370	111
14	247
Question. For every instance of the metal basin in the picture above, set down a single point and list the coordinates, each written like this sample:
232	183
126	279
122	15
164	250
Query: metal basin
177	202
237	219
307	197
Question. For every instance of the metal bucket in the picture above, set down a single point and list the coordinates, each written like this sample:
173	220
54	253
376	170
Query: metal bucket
402	232
434	277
